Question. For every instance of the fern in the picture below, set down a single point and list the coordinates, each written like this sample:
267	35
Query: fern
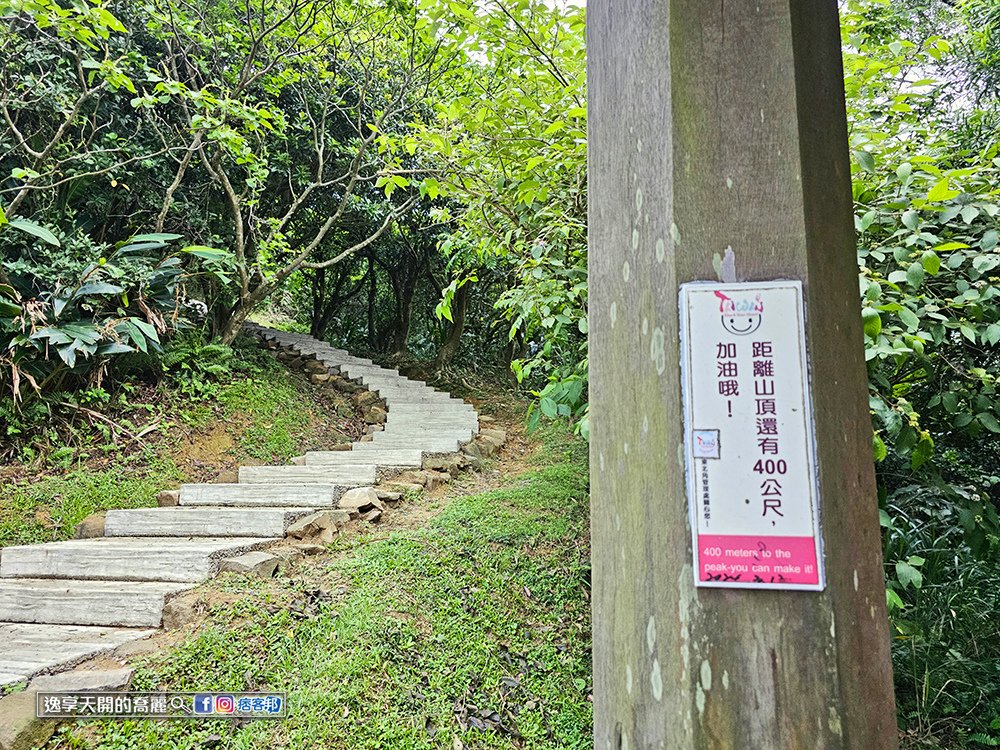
983	739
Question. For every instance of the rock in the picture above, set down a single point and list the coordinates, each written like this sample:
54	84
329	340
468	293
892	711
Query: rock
296	363
376	415
168	498
361	499
373	428
403	487
262	564
473	450
316	367
319	527
487	445
498	435
227	477
83	679
318	378
90	527
485	418
344	385
365	398
453	463
435	479
366	439
19	729
372	516
298	460
412	477
180	610
340	447
388	497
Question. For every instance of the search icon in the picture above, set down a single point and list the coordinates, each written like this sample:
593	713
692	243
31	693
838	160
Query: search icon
180	704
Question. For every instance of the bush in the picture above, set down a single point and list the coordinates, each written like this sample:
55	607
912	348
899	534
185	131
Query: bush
69	305
195	365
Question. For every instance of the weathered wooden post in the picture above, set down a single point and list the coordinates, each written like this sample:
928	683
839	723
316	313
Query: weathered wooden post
717	125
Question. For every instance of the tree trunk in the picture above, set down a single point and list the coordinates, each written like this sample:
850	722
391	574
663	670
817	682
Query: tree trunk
372	298
317	326
231	327
451	345
401	332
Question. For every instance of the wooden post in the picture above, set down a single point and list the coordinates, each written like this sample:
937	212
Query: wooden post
718	125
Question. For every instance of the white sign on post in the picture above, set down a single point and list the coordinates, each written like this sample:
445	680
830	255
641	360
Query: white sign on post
751	464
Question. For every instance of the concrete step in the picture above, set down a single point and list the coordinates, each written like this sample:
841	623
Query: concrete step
453	407
203	521
125	558
406	431
263	495
407	458
71	602
431	423
416	389
425	445
30	648
346	475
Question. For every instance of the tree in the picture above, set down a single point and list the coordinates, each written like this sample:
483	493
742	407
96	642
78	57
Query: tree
295	138
510	140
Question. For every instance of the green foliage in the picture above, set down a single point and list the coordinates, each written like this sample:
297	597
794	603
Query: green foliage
194	365
945	613
510	137
928	222
65	312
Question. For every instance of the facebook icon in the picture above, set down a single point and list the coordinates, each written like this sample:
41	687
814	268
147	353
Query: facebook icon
204	703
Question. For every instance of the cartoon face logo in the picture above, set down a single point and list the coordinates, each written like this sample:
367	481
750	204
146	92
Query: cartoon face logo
706	444
741	317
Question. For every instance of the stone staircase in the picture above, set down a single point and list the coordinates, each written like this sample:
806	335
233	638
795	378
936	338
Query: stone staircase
63	602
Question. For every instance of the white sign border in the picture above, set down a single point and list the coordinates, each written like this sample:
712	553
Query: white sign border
689	459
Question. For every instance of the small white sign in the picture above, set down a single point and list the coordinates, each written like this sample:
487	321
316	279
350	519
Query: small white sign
751	465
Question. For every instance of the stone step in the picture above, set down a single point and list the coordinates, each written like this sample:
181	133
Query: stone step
420	391
431	423
455	407
263	495
346	475
424	401
29	648
425	445
406	431
204	521
407	458
454	410
71	602
125	558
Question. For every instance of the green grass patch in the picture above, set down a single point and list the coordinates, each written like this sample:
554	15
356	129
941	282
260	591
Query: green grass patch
49	509
475	628
277	411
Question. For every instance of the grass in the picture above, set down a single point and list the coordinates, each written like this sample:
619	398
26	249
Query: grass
472	631
257	413
49	509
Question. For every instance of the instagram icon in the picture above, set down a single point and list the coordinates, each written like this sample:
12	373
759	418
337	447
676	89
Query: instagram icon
225	704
